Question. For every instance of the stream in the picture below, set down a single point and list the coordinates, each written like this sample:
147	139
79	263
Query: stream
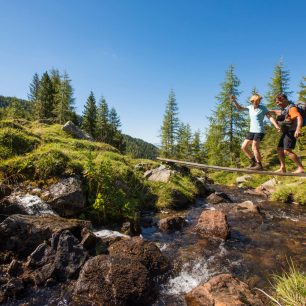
259	245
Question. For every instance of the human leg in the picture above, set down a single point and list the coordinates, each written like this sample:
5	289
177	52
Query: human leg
281	157
295	159
255	149
245	149
289	145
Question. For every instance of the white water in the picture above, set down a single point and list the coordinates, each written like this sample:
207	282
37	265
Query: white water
108	233
33	205
194	273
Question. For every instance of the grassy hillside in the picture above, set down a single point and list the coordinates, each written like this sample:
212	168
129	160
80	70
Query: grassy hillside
40	154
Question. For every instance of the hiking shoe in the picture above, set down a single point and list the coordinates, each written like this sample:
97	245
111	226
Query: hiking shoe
252	163
258	166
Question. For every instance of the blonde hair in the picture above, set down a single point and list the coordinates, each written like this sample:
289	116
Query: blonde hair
256	97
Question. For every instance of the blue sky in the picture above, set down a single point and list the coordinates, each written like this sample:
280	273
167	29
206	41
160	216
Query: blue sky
134	51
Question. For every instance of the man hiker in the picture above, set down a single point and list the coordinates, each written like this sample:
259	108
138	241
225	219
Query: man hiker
291	122
257	113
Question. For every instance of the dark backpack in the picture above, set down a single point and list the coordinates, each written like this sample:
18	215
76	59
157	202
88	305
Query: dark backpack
301	106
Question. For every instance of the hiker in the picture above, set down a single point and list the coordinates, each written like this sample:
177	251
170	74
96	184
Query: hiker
257	113
291	122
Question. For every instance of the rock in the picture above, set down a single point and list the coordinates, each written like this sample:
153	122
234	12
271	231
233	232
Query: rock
222	290
213	223
12	289
179	200
267	187
24	204
5	191
66	197
247	207
218	197
160	174
15	268
62	261
105	280
109	237
204	189
22	233
145	252
76	132
242	179
172	224
93	244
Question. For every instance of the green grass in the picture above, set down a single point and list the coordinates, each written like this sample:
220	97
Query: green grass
290	189
290	287
164	192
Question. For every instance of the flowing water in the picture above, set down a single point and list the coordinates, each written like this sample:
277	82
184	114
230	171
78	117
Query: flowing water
259	246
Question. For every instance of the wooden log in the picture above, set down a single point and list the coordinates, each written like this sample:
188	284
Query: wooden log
219	168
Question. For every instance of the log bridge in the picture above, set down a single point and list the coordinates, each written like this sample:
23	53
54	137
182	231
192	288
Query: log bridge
219	168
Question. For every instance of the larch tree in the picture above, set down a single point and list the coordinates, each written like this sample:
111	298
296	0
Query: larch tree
279	84
33	92
89	122
103	124
226	130
45	102
169	127
116	137
197	150
184	137
64	100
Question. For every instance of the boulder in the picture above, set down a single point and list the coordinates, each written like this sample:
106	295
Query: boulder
172	224
267	187
22	233
242	179
222	290
106	280
76	132
66	197
218	197
213	223
247	207
145	252
160	174
60	261
179	200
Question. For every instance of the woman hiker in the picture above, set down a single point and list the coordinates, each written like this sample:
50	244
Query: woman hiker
257	113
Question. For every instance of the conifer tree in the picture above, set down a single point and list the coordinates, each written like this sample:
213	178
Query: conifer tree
63	100
197	150
225	132
116	137
103	124
45	102
34	87
169	127
89	123
183	147
302	91
279	84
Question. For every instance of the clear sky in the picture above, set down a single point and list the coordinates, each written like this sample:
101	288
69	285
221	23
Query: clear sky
134	51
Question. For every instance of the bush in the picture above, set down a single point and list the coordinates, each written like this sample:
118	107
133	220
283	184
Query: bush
16	142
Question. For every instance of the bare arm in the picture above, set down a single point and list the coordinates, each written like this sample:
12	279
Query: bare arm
298	132
276	112
273	121
237	105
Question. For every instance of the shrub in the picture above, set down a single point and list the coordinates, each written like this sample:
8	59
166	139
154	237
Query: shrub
16	142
